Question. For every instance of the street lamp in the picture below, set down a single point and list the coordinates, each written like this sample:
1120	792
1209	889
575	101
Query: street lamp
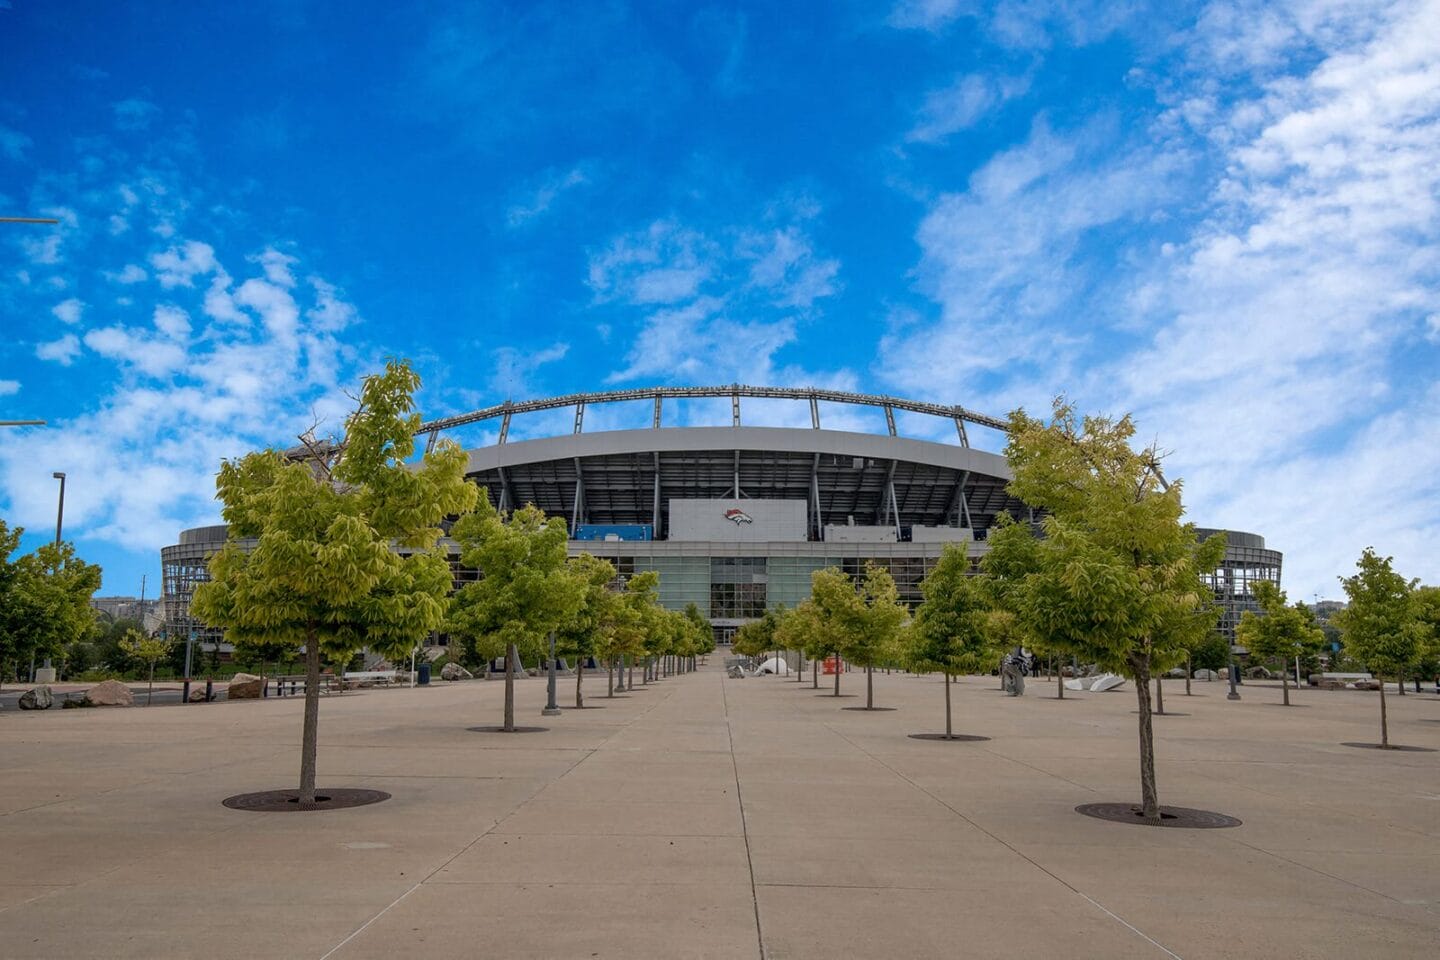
60	510
46	673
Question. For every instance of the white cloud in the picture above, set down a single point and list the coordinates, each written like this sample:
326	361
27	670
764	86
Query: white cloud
172	321
514	368
541	198
180	265
62	351
130	273
785	265
167	408
68	311
1280	341
664	263
8	388
962	104
929	14
277	266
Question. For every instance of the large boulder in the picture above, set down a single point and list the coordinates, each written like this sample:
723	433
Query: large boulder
1203	674
1259	673
243	686
38	699
197	694
453	671
110	693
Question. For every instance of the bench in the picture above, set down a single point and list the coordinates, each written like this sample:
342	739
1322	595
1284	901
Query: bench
360	678
292	685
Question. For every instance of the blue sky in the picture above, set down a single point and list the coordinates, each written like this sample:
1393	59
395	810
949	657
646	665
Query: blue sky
1221	216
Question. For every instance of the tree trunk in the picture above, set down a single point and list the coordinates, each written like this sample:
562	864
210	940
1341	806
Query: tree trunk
814	674
610	678
579	679
1400	683
948	734
1159	696
1285	686
1060	684
869	687
1384	720
1189	672
837	675
799	666
631	679
311	733
1150	802
510	654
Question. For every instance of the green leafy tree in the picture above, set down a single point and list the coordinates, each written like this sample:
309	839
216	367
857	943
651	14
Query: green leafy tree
1013	556
1119	577
1381	625
756	638
324	572
582	635
149	651
1211	652
525	588
800	629
1279	632
1427	613
950	631
865	618
704	631
44	600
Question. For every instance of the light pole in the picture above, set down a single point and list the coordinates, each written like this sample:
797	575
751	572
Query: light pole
46	673
60	510
551	710
189	650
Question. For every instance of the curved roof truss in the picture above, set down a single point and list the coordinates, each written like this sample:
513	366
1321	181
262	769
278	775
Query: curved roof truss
960	415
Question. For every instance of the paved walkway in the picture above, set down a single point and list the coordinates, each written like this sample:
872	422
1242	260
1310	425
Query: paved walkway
706	817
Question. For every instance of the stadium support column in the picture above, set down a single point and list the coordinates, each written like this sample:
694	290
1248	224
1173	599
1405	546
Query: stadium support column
960	429
506	500
736	488
815	497
814	412
958	505
887	497
655	516
579	503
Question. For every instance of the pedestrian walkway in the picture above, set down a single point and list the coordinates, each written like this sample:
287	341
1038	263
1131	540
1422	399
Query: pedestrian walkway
706	817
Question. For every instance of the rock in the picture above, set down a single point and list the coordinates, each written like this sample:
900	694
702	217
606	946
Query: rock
38	699
1206	675
1259	673
453	671
197	694
243	686
111	693
1364	685
1177	674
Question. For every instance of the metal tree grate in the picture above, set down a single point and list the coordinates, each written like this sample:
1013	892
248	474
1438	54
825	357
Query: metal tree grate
1180	817
288	801
966	737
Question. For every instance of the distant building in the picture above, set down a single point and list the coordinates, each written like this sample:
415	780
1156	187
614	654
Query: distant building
1246	562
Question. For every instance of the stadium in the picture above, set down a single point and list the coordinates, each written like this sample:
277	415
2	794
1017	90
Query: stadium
736	517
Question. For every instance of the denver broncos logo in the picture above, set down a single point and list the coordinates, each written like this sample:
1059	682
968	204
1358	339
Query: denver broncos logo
738	517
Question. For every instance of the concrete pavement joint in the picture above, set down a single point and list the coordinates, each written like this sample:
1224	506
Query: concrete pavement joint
744	823
1060	880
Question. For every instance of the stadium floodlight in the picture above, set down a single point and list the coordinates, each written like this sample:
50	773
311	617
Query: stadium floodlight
28	220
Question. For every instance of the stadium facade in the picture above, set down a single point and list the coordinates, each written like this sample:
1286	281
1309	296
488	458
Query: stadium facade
735	517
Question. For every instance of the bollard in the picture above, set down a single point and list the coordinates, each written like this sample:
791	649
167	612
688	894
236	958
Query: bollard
209	690
185	692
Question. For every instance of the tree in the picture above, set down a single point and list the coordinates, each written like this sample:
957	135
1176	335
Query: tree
525	589
1119	576
1427	613
1280	631
949	632
864	618
799	629
44	599
757	638
703	630
324	571
1380	625
581	635
149	650
1013	556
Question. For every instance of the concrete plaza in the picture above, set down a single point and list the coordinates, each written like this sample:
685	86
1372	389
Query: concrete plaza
708	817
